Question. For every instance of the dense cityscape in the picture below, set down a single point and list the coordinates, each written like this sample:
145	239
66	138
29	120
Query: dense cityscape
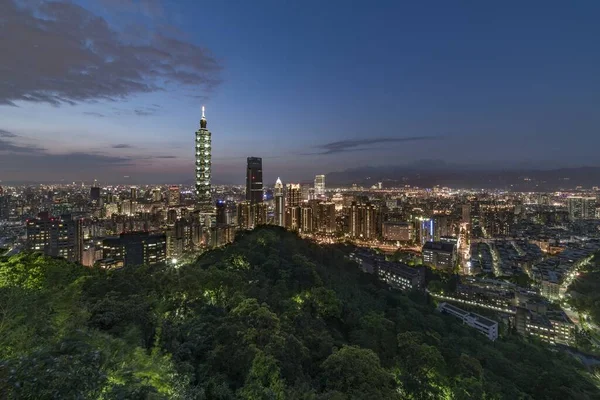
516	253
299	200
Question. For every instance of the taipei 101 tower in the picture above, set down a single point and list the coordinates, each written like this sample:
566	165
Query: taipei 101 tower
203	168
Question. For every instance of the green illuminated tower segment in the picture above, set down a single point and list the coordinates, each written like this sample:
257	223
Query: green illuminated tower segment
203	167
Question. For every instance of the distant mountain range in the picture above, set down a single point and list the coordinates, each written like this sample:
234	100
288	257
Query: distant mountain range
429	173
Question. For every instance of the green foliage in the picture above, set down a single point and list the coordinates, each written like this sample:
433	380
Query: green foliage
269	317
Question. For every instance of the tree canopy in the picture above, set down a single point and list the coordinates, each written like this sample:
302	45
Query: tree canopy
269	317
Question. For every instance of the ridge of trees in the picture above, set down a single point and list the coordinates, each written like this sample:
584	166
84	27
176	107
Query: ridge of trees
269	317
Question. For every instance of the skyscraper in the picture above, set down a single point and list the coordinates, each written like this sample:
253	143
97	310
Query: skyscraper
95	193
254	182
363	220
279	203
203	167
320	185
293	195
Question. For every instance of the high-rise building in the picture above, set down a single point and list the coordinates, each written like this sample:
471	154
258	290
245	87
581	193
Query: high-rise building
221	208
466	213
254	180
136	248
293	195
327	222
4	207
156	195
244	215
306	217
279	203
259	214
94	193
203	167
292	218
57	237
134	193
363	221
581	207
174	196
320	185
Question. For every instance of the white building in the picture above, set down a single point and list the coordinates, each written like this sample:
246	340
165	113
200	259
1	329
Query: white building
484	325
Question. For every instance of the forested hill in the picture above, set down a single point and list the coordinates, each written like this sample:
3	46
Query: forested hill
269	317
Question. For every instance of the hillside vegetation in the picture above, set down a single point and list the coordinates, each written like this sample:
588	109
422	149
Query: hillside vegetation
268	317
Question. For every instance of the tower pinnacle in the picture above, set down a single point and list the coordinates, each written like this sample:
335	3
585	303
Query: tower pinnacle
203	120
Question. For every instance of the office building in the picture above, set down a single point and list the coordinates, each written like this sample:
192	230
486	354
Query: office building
363	221
439	254
400	276
174	196
254	180
320	185
293	195
136	248
57	237
204	202
482	324
134	193
95	194
397	231
279	204
581	207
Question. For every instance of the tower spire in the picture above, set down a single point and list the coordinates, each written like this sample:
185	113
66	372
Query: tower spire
203	120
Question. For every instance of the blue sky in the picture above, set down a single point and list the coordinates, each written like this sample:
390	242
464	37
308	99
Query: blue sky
311	86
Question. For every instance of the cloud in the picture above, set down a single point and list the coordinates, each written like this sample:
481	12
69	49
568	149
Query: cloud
67	55
7	146
121	146
345	146
7	134
94	114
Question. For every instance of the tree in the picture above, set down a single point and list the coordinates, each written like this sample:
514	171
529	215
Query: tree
358	374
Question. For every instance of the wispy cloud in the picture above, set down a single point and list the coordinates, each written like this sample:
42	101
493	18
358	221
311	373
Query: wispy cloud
94	114
345	146
121	146
7	134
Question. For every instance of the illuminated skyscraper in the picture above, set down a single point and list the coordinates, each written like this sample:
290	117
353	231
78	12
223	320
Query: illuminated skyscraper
279	203
320	185
203	167
254	182
293	195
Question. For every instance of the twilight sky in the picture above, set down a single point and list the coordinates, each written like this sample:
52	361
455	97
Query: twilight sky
111	88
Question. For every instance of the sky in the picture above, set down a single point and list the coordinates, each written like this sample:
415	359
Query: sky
112	89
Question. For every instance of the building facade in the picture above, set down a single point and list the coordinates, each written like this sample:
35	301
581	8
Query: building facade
279	204
56	237
203	167
254	180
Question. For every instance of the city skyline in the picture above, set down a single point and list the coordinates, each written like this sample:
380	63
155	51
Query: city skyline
410	85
